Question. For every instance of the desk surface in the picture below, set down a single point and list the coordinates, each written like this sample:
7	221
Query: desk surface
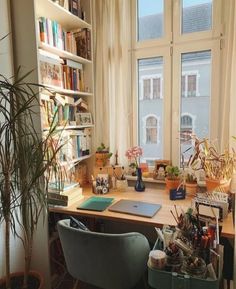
162	217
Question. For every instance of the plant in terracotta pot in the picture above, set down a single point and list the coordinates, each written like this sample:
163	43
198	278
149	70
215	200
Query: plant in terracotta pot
218	166
103	155
190	183
173	177
26	162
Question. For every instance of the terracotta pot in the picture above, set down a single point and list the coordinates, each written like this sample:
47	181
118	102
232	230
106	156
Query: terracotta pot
172	184
102	159
191	189
36	280
222	185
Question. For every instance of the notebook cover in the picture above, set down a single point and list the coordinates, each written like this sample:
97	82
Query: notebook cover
96	204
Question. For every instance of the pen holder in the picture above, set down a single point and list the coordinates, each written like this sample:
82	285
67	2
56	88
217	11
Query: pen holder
121	185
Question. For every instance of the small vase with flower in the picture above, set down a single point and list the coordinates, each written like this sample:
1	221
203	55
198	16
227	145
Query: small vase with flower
133	154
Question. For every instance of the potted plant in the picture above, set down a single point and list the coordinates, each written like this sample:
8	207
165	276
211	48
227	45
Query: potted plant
26	162
172	178
102	156
190	183
218	166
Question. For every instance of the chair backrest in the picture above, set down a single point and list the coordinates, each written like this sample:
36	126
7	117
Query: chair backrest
115	261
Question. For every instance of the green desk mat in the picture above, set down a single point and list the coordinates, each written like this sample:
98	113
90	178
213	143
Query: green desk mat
96	204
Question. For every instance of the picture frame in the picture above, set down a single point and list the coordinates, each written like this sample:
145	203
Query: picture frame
83	118
159	170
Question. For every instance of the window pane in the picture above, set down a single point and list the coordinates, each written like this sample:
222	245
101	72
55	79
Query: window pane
150	110
150	19
196	15
195	110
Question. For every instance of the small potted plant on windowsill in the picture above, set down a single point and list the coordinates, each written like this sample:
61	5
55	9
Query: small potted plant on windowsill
190	183
103	156
173	177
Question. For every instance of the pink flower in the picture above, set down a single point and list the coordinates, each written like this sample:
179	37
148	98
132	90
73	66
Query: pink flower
133	154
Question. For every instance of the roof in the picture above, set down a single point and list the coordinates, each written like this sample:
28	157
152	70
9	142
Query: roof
195	18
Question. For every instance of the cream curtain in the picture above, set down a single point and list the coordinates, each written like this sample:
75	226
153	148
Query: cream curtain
113	103
227	110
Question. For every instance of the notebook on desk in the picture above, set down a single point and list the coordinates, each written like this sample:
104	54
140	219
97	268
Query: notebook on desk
137	208
96	204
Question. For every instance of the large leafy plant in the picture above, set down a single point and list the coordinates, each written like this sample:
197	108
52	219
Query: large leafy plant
26	162
217	165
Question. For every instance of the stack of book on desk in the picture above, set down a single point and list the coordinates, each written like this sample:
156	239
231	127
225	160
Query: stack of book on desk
65	195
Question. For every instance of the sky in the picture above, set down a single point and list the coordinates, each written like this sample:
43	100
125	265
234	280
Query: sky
148	7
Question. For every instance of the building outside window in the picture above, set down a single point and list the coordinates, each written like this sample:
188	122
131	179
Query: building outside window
151	130
182	48
189	85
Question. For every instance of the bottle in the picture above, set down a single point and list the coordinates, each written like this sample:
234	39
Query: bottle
139	185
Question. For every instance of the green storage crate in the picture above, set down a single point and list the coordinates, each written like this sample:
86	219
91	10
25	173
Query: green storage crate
170	280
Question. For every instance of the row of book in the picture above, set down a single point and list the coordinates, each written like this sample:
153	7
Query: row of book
64	196
75	144
74	6
66	73
77	42
63	110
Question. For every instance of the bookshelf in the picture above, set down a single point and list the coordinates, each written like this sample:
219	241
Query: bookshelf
67	77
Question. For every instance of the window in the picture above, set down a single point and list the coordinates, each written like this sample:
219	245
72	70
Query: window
150	19
196	15
177	67
189	85
150	107
151	130
186	129
146	88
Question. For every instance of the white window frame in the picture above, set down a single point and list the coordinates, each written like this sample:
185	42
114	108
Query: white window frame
193	117
190	42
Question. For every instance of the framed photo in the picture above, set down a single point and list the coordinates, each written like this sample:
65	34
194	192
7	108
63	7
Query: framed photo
159	170
83	118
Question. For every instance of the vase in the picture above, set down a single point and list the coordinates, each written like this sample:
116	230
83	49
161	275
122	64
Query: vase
139	185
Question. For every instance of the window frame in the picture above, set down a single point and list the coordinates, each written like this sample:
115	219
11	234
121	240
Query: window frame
170	47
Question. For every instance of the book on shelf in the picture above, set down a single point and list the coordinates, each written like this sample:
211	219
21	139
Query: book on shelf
83	43
50	69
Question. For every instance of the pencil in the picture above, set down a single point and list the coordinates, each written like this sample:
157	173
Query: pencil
176	212
174	217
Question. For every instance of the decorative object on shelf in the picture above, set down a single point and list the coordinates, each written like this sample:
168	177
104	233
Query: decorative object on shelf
83	118
172	179
139	184
102	156
159	170
218	166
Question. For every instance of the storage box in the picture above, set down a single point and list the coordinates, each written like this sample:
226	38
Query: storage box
159	279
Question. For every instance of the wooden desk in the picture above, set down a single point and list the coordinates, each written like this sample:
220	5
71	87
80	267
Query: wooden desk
162	217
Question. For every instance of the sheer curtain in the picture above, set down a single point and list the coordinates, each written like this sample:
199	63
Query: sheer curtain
113	103
228	75
228	128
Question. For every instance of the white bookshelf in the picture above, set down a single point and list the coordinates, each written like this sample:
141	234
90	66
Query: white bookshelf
26	44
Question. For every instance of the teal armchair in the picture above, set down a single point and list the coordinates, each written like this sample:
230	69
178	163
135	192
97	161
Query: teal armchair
108	261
